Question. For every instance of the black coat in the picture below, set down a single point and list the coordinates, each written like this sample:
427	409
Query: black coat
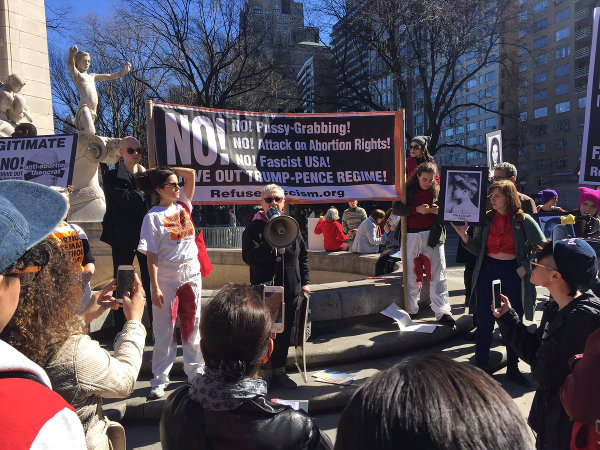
126	207
257	424
265	263
561	335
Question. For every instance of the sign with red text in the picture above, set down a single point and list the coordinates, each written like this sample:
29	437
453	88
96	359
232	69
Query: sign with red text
315	158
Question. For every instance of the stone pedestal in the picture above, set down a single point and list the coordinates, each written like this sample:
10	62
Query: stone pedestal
24	50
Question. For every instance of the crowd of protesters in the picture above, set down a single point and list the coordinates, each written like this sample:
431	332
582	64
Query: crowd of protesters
425	402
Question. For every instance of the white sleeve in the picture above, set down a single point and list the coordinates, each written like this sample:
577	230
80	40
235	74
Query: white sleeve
148	236
79	231
373	235
64	430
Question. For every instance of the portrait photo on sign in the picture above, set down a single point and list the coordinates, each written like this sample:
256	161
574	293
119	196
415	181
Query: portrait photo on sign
462	194
547	224
494	149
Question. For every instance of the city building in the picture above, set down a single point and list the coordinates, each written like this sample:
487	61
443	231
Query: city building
317	80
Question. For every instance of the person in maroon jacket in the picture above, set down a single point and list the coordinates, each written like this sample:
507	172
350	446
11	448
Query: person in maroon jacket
331	229
419	153
580	394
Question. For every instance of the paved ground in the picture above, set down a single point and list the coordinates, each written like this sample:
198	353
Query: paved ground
144	436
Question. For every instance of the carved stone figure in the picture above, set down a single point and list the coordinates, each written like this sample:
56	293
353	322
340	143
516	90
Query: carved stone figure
79	62
13	107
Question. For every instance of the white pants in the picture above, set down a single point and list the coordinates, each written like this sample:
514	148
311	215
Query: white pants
418	256
181	286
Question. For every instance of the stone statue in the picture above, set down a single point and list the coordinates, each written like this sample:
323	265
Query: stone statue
13	108
79	62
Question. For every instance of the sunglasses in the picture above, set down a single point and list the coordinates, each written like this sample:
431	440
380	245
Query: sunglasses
415	147
534	263
17	273
132	150
173	185
273	199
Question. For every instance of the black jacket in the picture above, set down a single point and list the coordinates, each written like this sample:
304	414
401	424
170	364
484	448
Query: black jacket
265	263
561	335
257	424
125	209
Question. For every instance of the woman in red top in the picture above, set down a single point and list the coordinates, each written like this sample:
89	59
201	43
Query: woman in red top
503	250
331	229
419	153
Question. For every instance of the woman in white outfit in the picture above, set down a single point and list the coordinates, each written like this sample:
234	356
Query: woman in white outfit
168	240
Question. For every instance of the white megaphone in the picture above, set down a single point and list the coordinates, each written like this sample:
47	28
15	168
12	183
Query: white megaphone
281	230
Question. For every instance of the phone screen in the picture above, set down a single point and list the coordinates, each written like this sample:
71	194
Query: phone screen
124	282
497	291
274	300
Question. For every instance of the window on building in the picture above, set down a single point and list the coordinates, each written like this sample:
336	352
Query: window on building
523	16
522	66
561	144
471	112
522	150
471	141
523	83
449	132
540	42
472	126
562	107
492	106
562	125
581	102
490	122
561	15
561	163
540	130
562	52
561	71
540	147
540	77
522	50
472	83
540	6
522	100
460	129
538	113
561	89
580	121
540	60
490	76
580	143
540	95
540	24
522	33
490	92
563	33
523	116
540	163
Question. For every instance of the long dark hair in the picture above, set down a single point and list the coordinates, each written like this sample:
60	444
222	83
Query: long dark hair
413	181
431	402
235	329
148	181
425	155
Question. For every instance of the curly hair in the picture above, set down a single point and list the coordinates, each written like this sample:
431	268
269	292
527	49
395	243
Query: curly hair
47	313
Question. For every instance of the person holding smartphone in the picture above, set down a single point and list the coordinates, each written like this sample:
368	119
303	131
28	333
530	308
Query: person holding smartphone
167	239
502	249
126	207
267	266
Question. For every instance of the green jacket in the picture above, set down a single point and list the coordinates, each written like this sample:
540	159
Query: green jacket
528	236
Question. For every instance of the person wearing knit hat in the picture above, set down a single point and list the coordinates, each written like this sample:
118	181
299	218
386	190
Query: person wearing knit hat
419	153
549	199
588	206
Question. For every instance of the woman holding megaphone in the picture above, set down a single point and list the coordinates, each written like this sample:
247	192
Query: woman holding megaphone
277	255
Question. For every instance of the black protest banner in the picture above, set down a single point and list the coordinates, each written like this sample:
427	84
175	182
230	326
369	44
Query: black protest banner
589	172
46	160
314	157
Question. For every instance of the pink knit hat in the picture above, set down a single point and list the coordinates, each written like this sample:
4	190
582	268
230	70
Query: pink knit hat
590	195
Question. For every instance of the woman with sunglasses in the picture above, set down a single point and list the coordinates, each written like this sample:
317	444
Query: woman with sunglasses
419	153
167	238
126	207
502	248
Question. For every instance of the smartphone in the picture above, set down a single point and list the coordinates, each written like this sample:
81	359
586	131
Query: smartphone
496	291
124	282
273	297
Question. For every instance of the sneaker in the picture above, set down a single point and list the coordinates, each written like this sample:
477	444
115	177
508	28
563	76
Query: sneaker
448	320
517	377
156	392
282	380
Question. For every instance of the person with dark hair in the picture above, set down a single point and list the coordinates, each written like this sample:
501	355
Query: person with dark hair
24	130
390	246
507	171
268	266
31	414
331	229
368	236
226	406
168	240
431	402
549	199
495	153
47	328
567	268
126	206
352	217
425	243
502	250
419	153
